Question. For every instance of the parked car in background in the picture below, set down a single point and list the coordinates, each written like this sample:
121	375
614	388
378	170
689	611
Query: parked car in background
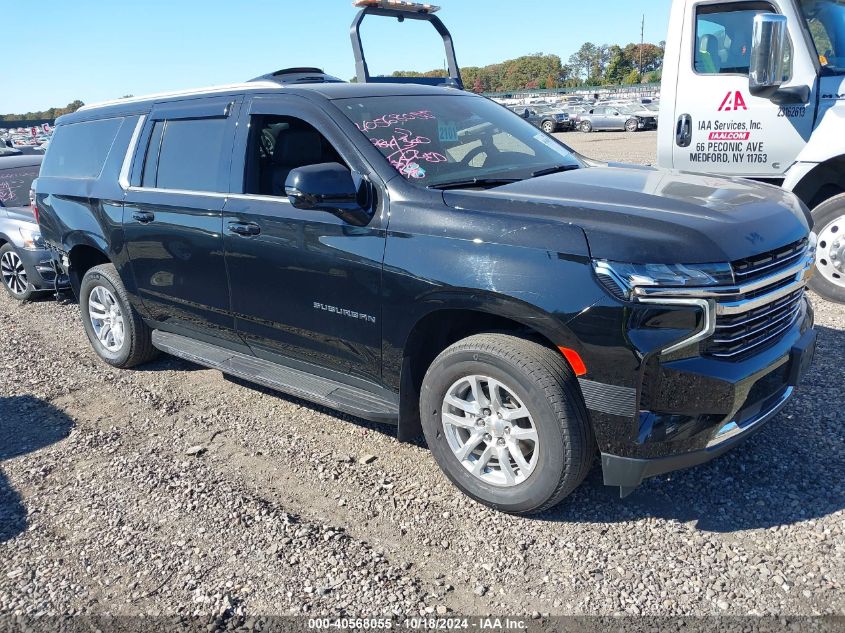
547	118
25	264
607	118
646	118
554	119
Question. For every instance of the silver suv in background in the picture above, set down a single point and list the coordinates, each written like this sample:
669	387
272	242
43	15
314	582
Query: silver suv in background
607	118
26	266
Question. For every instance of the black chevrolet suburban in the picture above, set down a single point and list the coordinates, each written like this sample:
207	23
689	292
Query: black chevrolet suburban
421	256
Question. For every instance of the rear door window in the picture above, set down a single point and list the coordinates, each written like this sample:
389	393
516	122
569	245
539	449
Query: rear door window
15	184
190	155
79	150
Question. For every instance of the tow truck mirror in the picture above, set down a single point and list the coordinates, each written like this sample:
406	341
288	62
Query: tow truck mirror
768	42
329	187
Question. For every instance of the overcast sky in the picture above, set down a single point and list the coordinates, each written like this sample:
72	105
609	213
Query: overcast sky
93	50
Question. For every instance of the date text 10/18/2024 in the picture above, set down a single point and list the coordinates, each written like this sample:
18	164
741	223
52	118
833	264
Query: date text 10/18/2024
418	624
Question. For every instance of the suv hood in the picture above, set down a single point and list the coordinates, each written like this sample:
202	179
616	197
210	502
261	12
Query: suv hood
645	215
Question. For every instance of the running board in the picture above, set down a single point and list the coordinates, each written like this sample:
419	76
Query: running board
324	391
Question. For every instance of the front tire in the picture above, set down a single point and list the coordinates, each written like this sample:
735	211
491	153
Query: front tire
548	127
14	275
632	125
115	330
829	278
586	127
505	421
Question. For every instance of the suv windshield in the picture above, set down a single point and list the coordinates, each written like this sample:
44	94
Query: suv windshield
826	21
441	140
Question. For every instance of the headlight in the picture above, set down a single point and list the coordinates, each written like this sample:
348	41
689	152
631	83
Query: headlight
31	239
622	279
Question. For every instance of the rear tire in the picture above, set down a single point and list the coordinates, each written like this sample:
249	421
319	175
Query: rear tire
586	127
115	330
829	278
530	445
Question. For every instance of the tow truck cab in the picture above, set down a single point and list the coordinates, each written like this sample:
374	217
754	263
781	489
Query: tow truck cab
756	89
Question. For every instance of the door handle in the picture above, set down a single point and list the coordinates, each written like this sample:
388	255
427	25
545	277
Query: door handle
247	229
144	217
683	132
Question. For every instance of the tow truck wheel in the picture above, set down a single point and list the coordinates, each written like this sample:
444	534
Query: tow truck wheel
632	125
506	422
829	219
548	127
586	127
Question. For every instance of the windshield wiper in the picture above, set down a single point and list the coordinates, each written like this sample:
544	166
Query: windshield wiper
474	182
554	170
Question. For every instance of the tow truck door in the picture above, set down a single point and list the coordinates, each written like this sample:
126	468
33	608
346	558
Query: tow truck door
719	127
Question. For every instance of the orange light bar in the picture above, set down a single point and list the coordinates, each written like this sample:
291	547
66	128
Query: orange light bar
575	361
397	5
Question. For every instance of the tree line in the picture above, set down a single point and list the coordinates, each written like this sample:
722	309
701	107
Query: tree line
50	114
590	65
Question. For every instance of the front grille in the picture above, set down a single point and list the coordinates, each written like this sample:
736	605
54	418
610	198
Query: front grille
752	268
742	333
739	335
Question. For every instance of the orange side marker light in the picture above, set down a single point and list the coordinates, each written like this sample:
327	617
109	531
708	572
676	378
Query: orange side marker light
575	361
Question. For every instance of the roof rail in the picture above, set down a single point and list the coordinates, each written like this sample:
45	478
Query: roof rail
403	11
305	75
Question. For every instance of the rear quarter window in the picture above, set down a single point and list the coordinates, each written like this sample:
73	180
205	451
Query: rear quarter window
79	150
15	184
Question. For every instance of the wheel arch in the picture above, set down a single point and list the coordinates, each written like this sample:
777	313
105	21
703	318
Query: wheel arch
82	258
439	328
822	182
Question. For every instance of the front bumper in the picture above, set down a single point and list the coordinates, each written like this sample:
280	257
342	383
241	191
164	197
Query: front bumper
629	472
767	393
657	407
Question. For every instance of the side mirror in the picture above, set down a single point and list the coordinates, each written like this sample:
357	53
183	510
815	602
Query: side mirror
526	114
329	187
768	45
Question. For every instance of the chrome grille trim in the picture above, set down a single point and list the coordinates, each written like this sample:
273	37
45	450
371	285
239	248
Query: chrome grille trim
757	344
747	305
779	258
722	292
752	318
790	314
745	316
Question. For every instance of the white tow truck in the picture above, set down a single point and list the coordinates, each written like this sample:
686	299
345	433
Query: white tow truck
756	89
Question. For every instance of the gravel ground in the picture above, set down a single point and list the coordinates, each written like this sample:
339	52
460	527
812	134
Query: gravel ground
629	147
171	490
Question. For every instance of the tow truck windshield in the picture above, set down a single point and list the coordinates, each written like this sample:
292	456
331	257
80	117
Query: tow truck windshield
456	141
826	21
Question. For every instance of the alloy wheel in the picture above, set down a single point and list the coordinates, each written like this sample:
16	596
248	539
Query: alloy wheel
490	431
106	318
13	272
